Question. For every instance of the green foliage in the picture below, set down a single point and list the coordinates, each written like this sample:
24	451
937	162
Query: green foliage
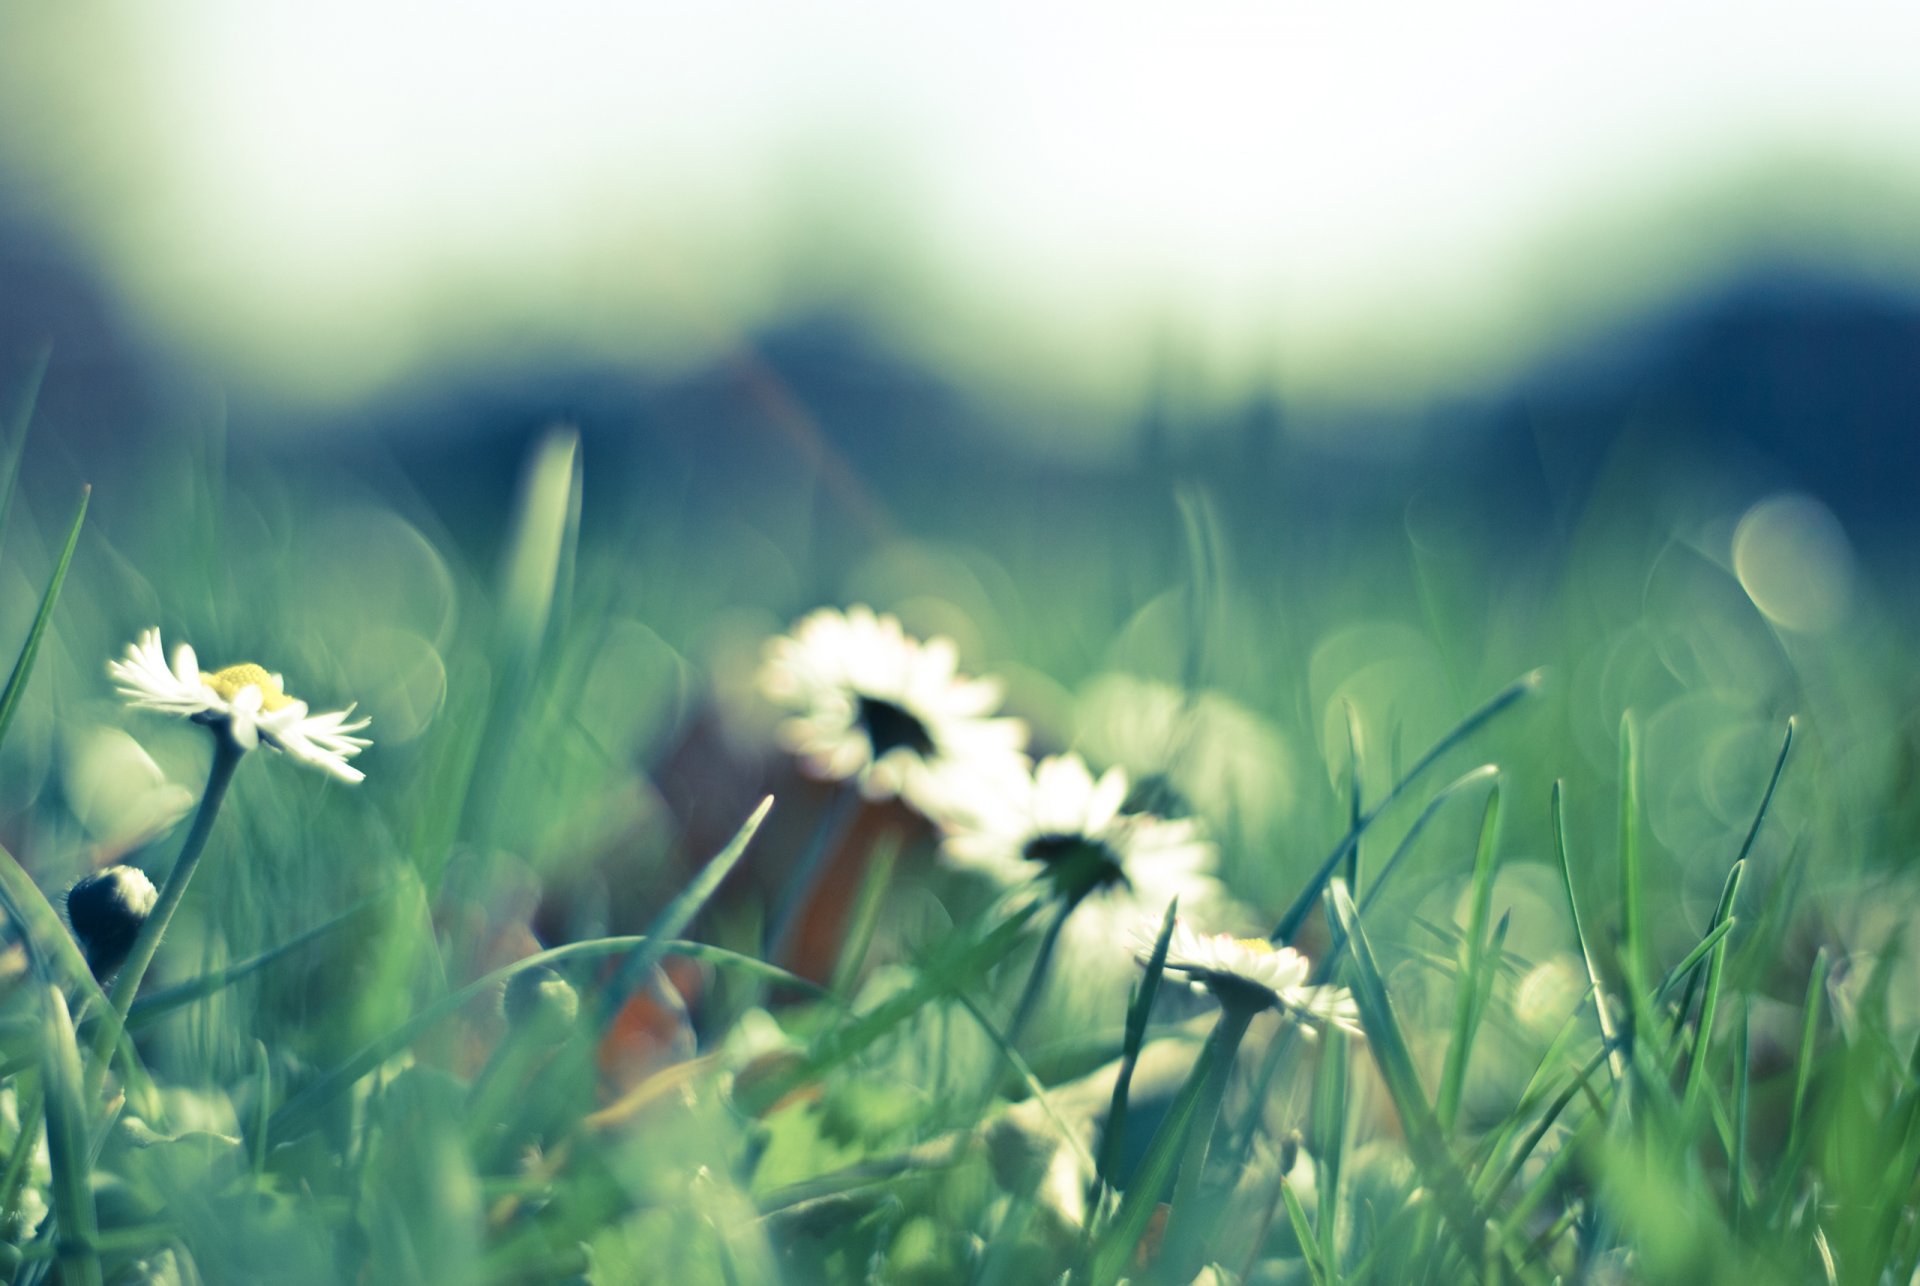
1648	1020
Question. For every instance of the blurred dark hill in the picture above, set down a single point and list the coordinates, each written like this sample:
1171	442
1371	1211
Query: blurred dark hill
1780	376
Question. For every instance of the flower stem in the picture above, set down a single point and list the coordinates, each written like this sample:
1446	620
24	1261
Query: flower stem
1186	1217
1037	977
226	757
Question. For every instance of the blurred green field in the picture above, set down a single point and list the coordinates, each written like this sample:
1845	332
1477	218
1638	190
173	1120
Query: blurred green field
566	729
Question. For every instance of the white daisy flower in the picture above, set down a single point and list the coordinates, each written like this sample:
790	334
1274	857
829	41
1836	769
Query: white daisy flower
249	702
1065	825
1252	973
873	705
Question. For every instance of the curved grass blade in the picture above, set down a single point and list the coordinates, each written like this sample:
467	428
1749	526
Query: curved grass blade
1609	1032
1296	914
956	967
156	1005
1753	833
23	665
68	1151
298	1113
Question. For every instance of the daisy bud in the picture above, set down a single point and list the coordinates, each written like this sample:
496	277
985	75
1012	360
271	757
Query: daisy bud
540	1000
106	910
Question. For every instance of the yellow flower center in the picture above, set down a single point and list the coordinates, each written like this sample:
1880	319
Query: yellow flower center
229	682
1259	946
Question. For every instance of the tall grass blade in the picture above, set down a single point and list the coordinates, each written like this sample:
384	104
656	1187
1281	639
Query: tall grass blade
19	420
537	551
1139	1011
1472	958
1114	1249
1385	1036
1710	1002
23	664
1330	1103
866	916
679	913
68	1147
1206	574
1609	1032
1296	913
1737	1159
1313	1253
1634	963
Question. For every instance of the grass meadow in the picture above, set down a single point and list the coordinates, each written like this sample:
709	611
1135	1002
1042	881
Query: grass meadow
759	877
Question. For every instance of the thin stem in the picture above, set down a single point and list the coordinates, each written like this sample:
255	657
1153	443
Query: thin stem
226	757
1037	977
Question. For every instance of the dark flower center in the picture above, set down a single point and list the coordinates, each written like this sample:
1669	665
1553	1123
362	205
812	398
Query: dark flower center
1077	864
890	727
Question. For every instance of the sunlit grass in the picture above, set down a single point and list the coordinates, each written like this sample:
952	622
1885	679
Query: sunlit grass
1625	943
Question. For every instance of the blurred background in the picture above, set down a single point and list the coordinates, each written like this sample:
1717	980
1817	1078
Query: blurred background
1470	339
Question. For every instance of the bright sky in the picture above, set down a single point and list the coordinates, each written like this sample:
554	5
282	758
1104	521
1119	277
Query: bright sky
327	197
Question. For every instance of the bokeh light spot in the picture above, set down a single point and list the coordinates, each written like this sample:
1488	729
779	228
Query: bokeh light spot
1795	562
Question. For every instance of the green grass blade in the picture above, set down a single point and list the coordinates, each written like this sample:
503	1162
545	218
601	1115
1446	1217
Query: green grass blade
1472	959
1312	1253
1296	914
1113	1251
300	1112
1138	1012
23	665
679	913
31	1104
1465	781
866	916
1710	1002
1206	594
1609	1032
1385	1036
1634	963
1691	961
956	966
1355	797
68	1146
1066	1132
1329	1124
1737	1158
18	421
156	1005
1802	1075
46	933
537	549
